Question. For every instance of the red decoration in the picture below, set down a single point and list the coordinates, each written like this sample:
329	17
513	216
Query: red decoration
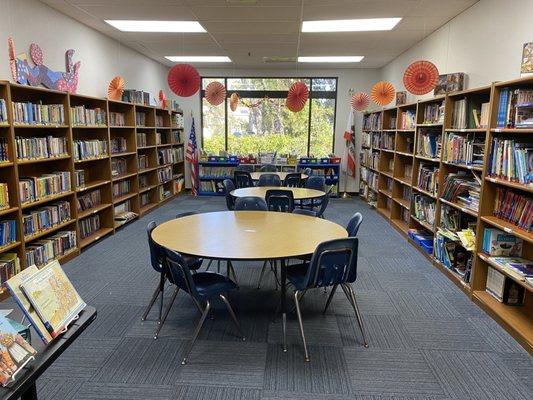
360	101
215	93
382	93
115	88
162	99
297	97
421	77
184	80
233	101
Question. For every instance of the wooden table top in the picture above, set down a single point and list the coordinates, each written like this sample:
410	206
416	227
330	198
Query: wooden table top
282	175
246	235
260	191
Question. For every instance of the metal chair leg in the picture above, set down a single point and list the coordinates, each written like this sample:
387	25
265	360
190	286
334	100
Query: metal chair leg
162	290
233	316
209	265
300	322
300	297
152	301
351	297
166	312
261	275
333	289
196	332
218	266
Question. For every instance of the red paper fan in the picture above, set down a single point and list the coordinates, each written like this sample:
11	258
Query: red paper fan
215	93
115	88
297	97
184	80
382	93
162	99
360	101
421	77
233	101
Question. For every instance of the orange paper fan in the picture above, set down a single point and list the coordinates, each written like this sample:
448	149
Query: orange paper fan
382	93
162	99
421	77
215	93
297	97
115	88
360	101
233	101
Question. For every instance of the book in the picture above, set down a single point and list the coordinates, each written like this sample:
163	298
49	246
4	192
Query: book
15	352
526	66
499	243
514	208
53	297
520	266
511	159
13	285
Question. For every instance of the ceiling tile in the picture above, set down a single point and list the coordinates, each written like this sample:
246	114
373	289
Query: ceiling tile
140	11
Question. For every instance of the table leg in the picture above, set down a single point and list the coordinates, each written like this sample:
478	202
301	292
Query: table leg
30	394
283	305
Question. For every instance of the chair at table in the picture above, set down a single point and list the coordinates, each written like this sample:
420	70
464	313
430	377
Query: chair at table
269	180
203	287
279	200
317	183
334	263
324	201
308	171
229	186
293	180
250	203
354	224
268	168
304	211
242	179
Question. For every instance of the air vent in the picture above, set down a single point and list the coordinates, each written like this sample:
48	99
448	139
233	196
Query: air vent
269	60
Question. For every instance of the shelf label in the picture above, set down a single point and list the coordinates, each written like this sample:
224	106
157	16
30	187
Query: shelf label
508	230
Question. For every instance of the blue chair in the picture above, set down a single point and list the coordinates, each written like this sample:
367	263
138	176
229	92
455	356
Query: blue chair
250	203
304	211
203	287
334	263
308	171
354	224
323	205
229	186
242	179
293	180
268	168
315	182
279	200
269	180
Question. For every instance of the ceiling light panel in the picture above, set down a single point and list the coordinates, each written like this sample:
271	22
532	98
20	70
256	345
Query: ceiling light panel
155	26
351	25
200	59
331	59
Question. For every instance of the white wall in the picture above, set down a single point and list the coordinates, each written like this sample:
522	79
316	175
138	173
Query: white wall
485	42
102	58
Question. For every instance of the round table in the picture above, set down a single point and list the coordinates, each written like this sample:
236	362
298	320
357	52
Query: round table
248	235
282	175
260	191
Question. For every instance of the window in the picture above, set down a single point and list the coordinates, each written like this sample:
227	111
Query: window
262	123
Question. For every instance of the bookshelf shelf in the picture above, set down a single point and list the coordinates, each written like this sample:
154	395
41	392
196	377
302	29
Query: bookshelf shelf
514	276
6	164
93	210
123	176
99	234
42	160
514	185
509	228
30	126
124	154
8	210
511	130
465	130
89	126
123	198
148	207
9	246
384	211
424	192
464	166
93	185
423	223
454	277
401	225
435	160
46	199
85	160
387	193
403	202
458	207
122	127
45	232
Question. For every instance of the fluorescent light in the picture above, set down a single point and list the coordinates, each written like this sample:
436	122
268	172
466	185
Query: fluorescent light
156	26
351	25
333	59
198	58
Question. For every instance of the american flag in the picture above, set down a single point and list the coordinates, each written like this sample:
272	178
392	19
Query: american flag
192	157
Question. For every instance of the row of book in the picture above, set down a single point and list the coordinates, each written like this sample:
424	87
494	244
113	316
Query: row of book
452	254
8	232
467	115
424	209
164	174
3	111
140	119
89	225
511	159
4	196
387	141
463	190
89	200
38	113
464	149
35	188
117	119
216	172
41	252
121	188
9	267
119	144
4	150
119	166
144	181
519	268
89	149
366	139
407	120
79	178
372	122
163	193
211	187
503	289
515	108
81	116
177	154
434	113
429	143
141	139
428	176
160	121
514	208
41	147
143	161
136	97
145	198
164	156
176	137
177	121
45	218
376	140
392	123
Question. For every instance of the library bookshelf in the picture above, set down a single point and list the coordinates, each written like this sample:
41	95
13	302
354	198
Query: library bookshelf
103	150
392	156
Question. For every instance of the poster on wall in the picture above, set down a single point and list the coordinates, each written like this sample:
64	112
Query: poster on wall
526	68
450	83
401	98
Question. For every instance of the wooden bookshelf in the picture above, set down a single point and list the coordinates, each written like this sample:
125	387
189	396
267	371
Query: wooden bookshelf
397	206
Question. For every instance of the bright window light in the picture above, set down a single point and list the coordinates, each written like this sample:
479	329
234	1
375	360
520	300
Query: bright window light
198	58
334	59
351	25
156	26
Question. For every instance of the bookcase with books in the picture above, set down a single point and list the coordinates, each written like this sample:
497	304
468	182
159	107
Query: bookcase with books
369	157
386	161
178	149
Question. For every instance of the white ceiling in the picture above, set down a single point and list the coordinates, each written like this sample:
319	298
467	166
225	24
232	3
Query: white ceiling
248	30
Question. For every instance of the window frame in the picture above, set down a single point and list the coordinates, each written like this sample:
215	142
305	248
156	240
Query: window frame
273	94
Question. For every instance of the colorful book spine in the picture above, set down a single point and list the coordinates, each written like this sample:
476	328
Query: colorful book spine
89	149
27	113
81	116
34	148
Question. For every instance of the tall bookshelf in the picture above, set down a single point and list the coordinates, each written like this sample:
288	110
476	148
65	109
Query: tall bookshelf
402	171
83	149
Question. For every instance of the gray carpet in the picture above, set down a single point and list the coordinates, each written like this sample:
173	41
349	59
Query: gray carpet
427	340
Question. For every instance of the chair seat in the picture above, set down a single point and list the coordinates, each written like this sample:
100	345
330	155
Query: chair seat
193	263
296	275
211	284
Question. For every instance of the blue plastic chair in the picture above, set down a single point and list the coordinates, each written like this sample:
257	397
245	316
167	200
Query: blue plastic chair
242	179
304	211
354	224
268	168
229	186
308	171
293	180
269	180
250	203
279	200
323	205
315	182
334	263
203	287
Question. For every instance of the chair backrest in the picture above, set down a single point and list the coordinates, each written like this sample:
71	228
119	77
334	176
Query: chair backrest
279	200
354	224
250	203
293	180
157	254
268	168
323	205
242	179
308	171
269	180
229	186
332	263
180	274
187	213
315	182
304	211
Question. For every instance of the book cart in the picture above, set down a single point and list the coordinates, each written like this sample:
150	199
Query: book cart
399	178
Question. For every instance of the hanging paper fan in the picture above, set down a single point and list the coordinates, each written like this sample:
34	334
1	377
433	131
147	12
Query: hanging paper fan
421	77
382	93
360	101
115	88
184	80
215	93
162	99
297	97
233	101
